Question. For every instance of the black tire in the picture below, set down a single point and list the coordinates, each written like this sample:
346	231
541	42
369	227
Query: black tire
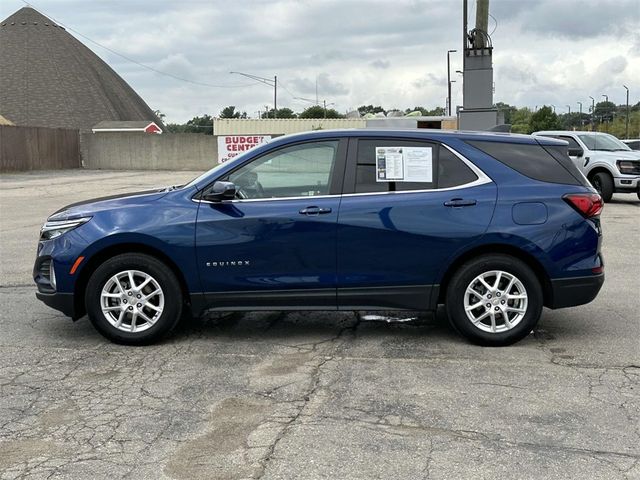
603	183
167	281
465	275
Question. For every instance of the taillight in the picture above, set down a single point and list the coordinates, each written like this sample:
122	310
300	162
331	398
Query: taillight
586	204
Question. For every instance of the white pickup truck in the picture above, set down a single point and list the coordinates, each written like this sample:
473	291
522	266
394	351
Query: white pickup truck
610	165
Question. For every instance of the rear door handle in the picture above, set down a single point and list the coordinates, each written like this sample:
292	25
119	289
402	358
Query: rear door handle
459	202
312	211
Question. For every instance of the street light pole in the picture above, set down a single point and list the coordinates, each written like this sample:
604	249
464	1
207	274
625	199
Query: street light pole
580	103
593	111
627	121
267	81
569	107
606	99
449	79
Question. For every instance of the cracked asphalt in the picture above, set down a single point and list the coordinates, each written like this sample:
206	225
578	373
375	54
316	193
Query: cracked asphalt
312	395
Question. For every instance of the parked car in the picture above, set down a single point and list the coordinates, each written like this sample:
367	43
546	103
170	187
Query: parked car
495	226
632	143
609	164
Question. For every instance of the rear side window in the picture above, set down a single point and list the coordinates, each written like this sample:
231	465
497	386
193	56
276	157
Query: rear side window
561	155
452	171
532	161
447	170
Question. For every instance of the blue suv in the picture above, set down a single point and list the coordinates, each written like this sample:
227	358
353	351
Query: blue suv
494	226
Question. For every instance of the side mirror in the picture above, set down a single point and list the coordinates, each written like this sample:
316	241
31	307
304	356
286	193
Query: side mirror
220	191
576	152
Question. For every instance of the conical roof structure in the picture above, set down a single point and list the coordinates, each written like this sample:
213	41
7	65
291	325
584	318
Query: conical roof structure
50	79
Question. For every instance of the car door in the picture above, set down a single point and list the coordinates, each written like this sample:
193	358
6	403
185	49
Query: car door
395	237
576	151
275	244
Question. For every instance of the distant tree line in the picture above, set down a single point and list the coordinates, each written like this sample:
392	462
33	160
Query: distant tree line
606	117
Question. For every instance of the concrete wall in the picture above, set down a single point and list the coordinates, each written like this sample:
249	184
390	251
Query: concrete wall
143	151
281	126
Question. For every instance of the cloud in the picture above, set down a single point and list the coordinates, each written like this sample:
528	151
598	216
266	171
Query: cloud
373	52
381	64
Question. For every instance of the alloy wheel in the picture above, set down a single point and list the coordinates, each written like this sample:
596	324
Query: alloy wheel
495	301
132	301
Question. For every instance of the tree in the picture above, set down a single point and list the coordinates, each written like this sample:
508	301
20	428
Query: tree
281	113
231	112
544	119
316	111
521	120
604	111
159	114
364	109
424	111
203	124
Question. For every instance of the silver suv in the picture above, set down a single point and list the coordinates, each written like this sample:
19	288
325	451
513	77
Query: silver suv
609	164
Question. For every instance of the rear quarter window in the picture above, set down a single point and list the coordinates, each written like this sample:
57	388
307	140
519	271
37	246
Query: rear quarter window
531	160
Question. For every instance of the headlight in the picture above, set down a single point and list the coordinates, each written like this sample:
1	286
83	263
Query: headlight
55	228
630	167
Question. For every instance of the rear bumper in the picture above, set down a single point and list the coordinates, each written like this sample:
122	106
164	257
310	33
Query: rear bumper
570	292
63	302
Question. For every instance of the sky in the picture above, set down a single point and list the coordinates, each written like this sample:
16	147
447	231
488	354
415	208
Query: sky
389	53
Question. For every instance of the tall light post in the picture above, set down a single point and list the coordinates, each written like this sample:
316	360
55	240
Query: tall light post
627	121
606	99
449	52
580	103
267	81
593	112
569	107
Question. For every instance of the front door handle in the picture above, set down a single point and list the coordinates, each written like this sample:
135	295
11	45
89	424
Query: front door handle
459	202
312	211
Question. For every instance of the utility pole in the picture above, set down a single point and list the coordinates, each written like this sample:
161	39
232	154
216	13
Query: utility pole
482	22
580	103
593	112
569	107
267	81
449	80
275	96
627	121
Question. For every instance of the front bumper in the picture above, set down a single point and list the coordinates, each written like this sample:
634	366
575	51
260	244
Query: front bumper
63	302
570	292
627	184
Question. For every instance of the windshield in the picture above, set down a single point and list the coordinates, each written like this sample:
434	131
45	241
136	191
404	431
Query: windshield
205	174
213	170
603	141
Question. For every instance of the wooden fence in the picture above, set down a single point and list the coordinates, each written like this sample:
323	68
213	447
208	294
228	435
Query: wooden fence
38	148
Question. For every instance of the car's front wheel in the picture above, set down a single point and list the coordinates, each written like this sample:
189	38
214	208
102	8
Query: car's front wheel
133	299
494	300
603	183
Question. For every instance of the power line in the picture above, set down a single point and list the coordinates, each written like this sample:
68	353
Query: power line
148	67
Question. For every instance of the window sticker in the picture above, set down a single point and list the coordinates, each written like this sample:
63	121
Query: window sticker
404	164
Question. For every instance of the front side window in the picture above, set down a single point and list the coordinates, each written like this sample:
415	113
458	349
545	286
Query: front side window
296	171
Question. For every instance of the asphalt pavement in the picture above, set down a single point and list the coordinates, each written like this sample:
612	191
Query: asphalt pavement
312	395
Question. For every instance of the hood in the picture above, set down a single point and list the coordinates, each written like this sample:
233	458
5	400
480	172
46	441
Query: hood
110	202
618	154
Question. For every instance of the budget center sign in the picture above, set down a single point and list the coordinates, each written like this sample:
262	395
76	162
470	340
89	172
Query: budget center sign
230	146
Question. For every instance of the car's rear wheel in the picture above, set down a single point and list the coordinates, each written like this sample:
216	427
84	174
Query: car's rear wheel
603	183
133	299
494	300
